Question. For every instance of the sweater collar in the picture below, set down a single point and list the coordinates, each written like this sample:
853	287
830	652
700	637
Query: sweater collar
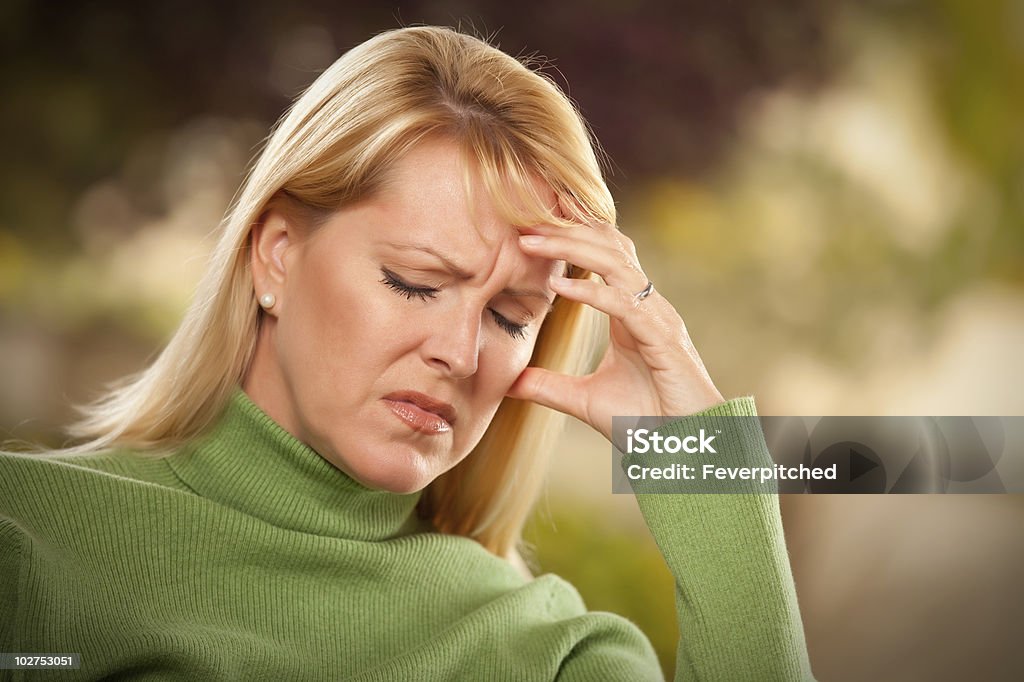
250	463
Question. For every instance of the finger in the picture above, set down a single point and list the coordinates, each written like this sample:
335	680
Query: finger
593	233
616	266
642	319
560	392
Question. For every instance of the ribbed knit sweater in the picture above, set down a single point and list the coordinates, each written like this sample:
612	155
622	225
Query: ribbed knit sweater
244	555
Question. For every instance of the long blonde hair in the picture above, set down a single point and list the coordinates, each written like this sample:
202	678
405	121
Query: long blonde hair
332	147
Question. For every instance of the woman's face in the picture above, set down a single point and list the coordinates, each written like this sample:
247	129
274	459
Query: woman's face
399	325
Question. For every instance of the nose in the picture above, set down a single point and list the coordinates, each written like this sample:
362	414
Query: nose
454	343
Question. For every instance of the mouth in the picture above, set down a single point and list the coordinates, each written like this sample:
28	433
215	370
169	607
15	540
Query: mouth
421	412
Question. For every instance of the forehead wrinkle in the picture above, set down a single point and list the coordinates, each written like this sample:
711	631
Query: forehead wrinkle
449	265
464	274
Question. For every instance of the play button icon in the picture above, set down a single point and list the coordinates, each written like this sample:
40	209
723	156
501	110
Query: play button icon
860	464
858	469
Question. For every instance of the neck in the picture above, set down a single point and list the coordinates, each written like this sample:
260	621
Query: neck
249	463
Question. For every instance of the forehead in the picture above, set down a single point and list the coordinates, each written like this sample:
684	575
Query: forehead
434	210
445	190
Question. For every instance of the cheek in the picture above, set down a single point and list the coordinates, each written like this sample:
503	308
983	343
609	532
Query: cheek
509	363
332	318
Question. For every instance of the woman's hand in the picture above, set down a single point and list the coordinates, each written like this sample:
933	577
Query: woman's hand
650	366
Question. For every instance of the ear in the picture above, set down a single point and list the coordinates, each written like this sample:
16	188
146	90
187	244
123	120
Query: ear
269	240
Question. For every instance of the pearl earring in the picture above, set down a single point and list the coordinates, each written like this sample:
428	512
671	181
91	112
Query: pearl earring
268	300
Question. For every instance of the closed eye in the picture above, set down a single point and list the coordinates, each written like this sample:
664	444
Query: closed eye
393	282
410	291
516	331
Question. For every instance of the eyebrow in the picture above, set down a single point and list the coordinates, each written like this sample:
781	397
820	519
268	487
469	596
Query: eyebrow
462	273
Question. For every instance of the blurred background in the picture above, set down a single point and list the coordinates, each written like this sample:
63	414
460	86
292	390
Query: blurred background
831	192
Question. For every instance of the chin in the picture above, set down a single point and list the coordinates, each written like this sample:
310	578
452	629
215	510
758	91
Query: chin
401	475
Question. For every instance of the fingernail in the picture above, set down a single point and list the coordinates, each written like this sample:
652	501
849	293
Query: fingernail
560	282
531	239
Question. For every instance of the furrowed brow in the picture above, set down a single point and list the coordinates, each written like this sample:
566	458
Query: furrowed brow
462	273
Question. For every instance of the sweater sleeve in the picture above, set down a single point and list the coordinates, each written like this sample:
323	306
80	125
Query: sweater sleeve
736	602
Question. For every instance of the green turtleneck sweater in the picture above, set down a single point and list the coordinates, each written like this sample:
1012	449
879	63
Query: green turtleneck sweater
246	556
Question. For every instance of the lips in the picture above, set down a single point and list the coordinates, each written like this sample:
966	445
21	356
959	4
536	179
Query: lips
438	407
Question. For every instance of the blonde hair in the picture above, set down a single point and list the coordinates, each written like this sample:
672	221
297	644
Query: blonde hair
333	147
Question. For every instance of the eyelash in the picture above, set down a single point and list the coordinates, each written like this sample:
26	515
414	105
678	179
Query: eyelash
392	281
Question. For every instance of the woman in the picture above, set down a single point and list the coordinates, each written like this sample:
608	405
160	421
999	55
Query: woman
326	472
